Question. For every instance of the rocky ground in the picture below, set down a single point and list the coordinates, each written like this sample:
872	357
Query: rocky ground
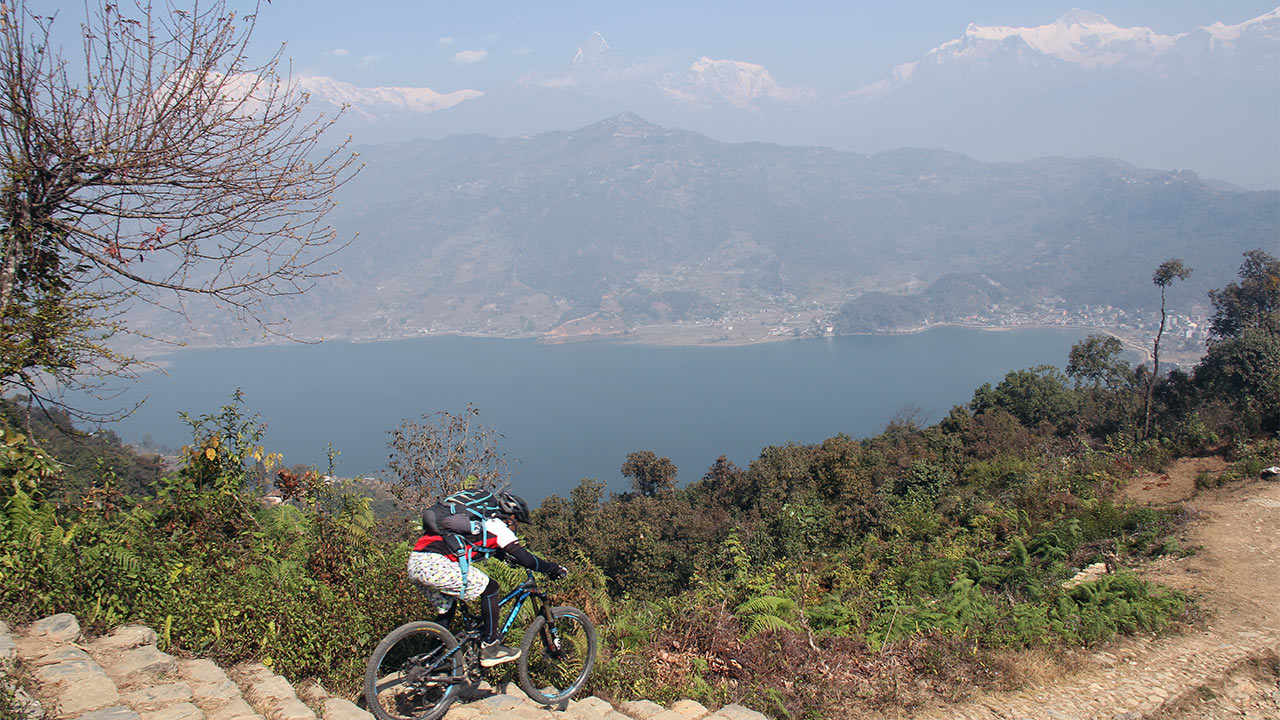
124	676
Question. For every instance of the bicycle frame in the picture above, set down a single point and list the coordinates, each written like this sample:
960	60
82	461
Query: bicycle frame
423	663
519	595
471	633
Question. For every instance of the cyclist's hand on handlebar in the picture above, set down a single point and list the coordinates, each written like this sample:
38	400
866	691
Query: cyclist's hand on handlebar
556	572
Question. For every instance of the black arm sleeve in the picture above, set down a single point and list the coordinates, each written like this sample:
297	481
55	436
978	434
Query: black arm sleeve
527	559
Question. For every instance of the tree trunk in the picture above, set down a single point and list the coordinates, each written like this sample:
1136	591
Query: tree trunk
1155	372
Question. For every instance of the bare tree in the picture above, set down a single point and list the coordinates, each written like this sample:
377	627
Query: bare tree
1168	271
160	165
442	454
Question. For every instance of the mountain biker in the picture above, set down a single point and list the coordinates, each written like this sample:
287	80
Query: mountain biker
435	569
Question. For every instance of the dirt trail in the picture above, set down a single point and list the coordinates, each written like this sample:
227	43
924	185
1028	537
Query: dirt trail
1226	666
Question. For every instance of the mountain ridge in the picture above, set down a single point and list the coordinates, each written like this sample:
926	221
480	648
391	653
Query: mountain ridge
1205	98
644	224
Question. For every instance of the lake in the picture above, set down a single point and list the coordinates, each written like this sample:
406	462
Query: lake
571	411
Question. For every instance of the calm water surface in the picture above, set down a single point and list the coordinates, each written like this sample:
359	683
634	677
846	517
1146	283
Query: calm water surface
573	411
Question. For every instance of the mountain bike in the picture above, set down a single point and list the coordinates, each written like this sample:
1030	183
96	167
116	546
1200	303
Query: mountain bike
421	667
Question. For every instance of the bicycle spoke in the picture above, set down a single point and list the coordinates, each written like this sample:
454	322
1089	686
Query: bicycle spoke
559	657
413	674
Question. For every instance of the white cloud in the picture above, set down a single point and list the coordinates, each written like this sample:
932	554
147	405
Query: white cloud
470	56
445	41
369	61
340	52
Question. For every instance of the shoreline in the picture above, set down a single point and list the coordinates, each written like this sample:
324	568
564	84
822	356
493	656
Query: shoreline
671	335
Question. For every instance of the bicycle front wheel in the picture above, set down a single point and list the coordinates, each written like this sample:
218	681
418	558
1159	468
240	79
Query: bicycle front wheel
414	673
555	660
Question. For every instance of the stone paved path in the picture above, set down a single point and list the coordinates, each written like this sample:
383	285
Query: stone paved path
124	676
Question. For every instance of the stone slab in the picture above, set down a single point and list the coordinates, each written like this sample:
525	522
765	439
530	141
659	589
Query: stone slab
249	672
202	672
145	659
498	703
62	653
92	692
512	689
290	710
229	709
578	711
737	712
118	712
690	709
595	703
67	672
156	697
269	689
312	693
340	709
62	627
216	694
125	637
179	711
528	712
641	709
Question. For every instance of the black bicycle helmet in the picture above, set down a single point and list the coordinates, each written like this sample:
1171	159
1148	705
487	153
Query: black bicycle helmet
513	506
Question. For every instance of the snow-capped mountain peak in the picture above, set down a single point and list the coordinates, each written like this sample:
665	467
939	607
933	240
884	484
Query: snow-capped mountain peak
597	57
1265	23
1079	37
737	82
1086	40
1076	16
594	47
371	103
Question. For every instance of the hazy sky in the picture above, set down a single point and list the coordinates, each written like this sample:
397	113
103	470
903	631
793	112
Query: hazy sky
831	46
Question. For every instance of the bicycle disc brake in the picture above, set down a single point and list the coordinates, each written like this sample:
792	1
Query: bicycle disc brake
555	646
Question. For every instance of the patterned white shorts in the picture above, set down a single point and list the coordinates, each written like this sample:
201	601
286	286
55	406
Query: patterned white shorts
440	579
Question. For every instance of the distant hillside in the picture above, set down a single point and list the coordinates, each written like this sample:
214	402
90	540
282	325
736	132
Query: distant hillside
646	224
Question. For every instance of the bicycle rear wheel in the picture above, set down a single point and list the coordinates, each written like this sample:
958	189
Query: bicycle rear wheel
555	660
414	673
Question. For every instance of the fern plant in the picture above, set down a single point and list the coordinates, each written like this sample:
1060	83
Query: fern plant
765	613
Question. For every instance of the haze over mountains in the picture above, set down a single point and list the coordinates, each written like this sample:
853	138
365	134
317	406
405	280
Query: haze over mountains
521	224
1205	99
626	223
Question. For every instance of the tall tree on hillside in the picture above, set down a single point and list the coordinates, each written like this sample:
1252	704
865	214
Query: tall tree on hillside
1254	302
650	475
1242	365
157	165
443	454
1105	382
1168	271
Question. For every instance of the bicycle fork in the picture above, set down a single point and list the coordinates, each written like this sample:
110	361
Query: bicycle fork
550	635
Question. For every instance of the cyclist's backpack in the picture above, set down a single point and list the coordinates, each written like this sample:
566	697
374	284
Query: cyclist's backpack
459	521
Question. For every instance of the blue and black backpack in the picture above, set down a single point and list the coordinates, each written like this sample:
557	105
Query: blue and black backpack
459	521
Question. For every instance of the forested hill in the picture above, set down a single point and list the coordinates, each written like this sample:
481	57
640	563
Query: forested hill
649	224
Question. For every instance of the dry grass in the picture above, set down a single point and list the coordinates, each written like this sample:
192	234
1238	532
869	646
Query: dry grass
1017	669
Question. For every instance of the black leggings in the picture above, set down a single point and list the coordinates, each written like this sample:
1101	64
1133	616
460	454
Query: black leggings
489	610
